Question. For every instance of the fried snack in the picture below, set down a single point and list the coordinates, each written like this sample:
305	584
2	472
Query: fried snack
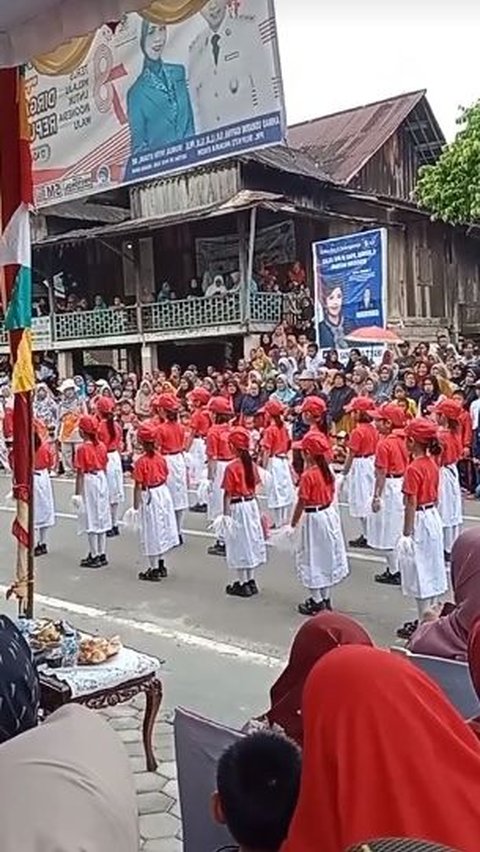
96	649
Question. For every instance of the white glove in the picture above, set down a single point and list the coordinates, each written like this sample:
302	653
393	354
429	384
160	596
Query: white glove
130	518
406	546
77	502
222	526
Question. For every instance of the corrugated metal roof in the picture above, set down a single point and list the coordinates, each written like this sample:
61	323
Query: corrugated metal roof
85	211
290	160
343	143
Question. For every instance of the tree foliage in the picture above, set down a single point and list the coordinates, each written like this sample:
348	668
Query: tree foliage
450	189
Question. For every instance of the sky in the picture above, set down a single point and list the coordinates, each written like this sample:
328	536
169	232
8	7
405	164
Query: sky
337	54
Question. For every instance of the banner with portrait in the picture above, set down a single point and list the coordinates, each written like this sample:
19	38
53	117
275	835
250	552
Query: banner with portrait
350	276
153	99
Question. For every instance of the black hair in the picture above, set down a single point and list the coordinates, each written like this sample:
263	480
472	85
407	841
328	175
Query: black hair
278	420
258	782
434	447
149	448
453	425
37	441
111	425
222	418
364	417
321	423
171	416
321	463
247	463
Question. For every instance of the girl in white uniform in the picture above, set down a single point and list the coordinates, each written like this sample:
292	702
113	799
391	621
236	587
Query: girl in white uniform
200	423
420	550
91	492
275	445
153	501
321	559
449	413
359	470
110	434
43	503
171	443
219	453
244	537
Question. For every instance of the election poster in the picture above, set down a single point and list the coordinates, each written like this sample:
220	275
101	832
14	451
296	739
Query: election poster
350	278
152	99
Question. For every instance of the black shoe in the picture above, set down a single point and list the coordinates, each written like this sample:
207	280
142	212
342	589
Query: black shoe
40	550
180	540
389	579
199	508
253	587
407	630
162	570
361	541
217	549
103	559
151	575
90	562
311	607
447	557
239	590
328	605
110	533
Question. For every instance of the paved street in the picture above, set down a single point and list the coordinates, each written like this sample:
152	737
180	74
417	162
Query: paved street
221	654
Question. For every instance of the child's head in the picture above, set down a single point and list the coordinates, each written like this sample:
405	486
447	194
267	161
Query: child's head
258	780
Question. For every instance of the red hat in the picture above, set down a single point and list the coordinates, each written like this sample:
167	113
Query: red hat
421	430
147	432
105	405
313	405
239	438
220	405
167	401
201	395
314	442
361	403
450	408
273	407
393	413
88	424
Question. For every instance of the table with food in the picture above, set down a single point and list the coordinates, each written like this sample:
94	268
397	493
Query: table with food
97	671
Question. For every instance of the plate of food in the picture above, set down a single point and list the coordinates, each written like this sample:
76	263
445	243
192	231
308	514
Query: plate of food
94	650
45	636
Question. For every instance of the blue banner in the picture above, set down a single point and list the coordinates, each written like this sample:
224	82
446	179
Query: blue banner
350	286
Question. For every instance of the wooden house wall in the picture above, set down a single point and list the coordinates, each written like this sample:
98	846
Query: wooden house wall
392	170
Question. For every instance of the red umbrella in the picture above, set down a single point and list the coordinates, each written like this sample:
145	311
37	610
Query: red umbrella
374	335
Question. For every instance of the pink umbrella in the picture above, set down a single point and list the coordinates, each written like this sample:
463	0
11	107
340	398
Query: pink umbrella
374	335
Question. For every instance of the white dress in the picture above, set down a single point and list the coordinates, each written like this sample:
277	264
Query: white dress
116	490
177	482
385	527
158	526
450	499
216	495
198	462
425	576
280	490
96	517
43	502
321	560
360	485
245	543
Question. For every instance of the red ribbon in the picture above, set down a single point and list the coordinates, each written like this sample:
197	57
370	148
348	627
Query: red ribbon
117	72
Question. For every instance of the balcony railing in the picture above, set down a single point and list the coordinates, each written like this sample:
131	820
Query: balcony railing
266	307
187	314
102	323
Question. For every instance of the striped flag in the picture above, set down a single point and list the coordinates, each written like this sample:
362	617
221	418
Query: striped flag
16	298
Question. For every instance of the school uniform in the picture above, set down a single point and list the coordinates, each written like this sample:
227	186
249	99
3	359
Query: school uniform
171	443
280	490
450	495
245	542
425	576
361	477
200	424
114	471
218	451
385	527
43	502
321	560
91	460
158	526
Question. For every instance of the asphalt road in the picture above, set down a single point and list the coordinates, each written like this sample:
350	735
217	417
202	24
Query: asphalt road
221	654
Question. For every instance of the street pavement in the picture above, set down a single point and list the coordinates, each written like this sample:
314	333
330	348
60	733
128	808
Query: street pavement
220	654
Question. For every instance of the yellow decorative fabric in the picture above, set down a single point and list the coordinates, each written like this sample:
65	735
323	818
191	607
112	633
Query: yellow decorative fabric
23	377
70	55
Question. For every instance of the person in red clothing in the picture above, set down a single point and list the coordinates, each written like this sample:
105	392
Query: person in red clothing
466	468
91	492
448	413
359	466
244	538
43	502
314	414
200	423
420	550
171	443
219	453
321	560
153	501
275	445
110	433
385	520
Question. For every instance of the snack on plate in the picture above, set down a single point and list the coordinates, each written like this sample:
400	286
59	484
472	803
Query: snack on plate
97	649
46	634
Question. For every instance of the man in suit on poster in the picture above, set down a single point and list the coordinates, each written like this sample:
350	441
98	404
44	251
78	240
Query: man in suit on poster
232	75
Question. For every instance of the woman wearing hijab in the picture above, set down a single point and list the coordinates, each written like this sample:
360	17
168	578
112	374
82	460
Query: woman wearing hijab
19	684
387	376
474	665
430	395
253	400
143	400
381	741
45	409
283	393
340	396
66	786
447	636
314	639
70	410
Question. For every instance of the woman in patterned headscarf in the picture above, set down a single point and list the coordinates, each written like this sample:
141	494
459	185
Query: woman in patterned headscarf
19	686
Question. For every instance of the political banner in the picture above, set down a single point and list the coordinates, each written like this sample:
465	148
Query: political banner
150	100
350	275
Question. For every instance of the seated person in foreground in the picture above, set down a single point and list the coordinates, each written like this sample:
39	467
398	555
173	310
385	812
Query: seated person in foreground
258	782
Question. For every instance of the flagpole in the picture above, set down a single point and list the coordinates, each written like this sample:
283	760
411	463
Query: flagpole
30	602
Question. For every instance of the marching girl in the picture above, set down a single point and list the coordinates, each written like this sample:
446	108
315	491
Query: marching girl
321	559
449	412
314	414
385	519
43	502
110	434
91	492
360	464
153	501
245	541
219	453
200	423
420	550
275	444
171	443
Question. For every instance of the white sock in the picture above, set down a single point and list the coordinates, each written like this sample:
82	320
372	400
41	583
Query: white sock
92	544
363	524
242	575
391	558
316	595
42	535
179	519
102	544
114	514
153	562
250	574
423	604
325	593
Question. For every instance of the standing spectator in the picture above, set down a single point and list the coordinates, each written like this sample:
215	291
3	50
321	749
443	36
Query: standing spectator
339	397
